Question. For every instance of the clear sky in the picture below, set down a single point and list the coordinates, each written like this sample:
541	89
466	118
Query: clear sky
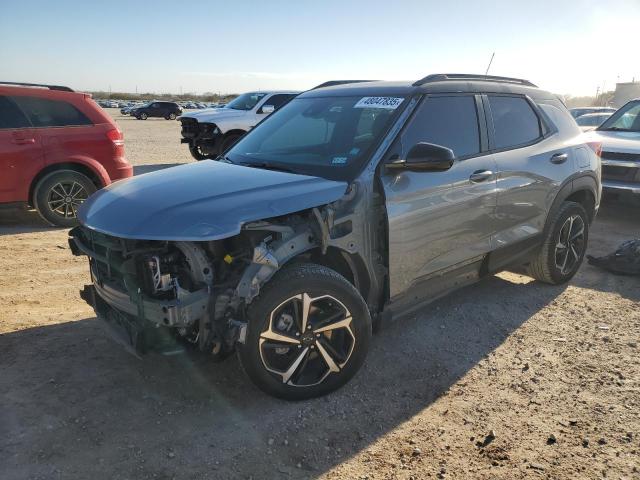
567	46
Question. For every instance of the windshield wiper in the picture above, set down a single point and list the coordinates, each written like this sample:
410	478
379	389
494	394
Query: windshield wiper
269	166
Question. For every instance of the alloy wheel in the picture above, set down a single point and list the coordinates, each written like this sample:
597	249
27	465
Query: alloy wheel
306	339
570	244
64	198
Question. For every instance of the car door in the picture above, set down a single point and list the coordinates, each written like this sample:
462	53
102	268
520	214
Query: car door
21	154
65	132
532	163
155	110
440	219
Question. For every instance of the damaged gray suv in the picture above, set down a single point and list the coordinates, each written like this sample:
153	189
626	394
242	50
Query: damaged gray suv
352	204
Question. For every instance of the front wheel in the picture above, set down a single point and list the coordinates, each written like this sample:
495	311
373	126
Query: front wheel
196	152
308	333
143	116
228	142
172	116
58	196
564	245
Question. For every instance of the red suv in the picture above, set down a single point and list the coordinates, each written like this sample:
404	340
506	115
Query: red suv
57	147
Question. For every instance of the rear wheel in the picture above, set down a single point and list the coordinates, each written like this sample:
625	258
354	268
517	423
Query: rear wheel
58	196
143	116
564	247
172	116
308	333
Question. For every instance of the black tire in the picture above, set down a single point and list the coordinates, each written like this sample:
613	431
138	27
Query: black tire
196	153
563	250
228	141
276	366
172	116
58	195
142	116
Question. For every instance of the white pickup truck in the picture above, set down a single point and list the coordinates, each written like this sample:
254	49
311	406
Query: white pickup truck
210	132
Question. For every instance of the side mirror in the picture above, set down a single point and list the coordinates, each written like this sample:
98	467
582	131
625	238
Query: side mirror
267	109
425	157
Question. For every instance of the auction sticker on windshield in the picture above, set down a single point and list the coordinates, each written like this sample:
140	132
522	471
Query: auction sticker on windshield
388	103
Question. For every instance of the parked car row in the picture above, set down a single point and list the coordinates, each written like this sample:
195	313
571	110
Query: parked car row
128	104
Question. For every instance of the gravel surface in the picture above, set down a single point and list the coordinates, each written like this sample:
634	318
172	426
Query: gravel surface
505	379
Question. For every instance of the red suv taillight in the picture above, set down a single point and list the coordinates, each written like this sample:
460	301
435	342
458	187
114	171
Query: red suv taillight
596	147
116	137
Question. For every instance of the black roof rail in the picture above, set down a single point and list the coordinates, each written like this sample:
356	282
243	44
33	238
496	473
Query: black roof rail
50	87
441	77
332	83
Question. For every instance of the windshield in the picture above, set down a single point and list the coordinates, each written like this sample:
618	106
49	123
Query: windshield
246	101
330	137
627	119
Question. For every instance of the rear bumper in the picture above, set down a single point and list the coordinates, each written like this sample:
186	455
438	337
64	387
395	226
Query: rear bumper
121	171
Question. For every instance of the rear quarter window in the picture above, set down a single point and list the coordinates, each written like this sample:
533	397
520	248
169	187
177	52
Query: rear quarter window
43	112
514	122
11	116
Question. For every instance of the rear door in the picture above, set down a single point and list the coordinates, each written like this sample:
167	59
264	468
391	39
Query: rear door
20	152
532	164
440	219
66	133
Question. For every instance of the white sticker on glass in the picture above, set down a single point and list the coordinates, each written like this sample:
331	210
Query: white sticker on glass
388	103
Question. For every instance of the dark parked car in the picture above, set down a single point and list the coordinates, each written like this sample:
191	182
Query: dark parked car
57	147
349	205
579	111
166	110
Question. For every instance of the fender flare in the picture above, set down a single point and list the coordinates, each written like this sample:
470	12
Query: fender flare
576	183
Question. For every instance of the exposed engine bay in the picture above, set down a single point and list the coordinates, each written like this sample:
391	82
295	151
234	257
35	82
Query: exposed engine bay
165	295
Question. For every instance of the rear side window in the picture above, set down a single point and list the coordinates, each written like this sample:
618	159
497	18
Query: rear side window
51	113
514	121
11	116
451	122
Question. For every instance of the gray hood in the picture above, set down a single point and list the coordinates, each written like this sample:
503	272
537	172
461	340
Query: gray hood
207	200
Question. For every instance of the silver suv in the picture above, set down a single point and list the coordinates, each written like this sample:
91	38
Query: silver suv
351	204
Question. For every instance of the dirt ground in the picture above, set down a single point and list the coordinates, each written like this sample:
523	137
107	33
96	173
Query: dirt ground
506	379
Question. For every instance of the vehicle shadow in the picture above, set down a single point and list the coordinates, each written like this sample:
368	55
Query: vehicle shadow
78	403
19	220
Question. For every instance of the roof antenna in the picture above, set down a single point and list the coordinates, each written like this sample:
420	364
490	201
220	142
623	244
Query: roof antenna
490	61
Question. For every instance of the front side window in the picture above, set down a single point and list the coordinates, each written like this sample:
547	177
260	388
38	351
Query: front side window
330	137
514	121
11	116
450	122
278	100
43	112
627	119
246	101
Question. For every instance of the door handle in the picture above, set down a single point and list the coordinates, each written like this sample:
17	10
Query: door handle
558	158
24	141
480	176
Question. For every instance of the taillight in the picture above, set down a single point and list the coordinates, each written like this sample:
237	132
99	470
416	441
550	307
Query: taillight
596	147
116	137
